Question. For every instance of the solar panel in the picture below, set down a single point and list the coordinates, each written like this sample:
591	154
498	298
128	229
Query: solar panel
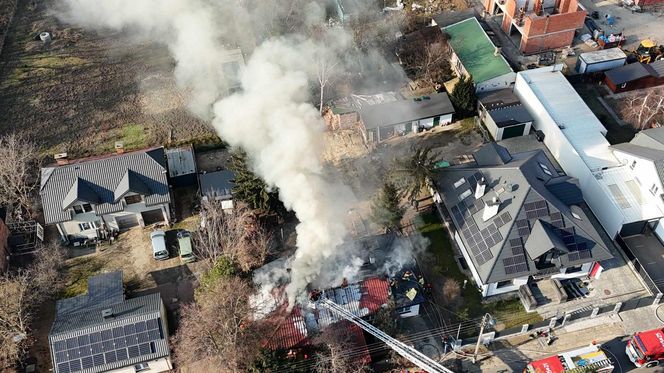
133	351
522	223
110	357
118	332
63	367
72	342
98	359
120	342
60	346
129	329
75	365
492	228
144	349
529	206
87	362
95	337
532	214
523	231
540	204
152	324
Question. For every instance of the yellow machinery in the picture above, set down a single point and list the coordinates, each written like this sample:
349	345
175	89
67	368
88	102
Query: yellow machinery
648	51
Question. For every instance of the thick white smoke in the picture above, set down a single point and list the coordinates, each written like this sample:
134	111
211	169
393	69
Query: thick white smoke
272	119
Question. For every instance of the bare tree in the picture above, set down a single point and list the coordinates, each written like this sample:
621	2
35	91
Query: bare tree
425	56
644	111
19	172
21	294
218	328
237	235
325	72
337	340
16	312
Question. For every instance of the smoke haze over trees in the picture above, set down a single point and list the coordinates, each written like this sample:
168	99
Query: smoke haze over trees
272	118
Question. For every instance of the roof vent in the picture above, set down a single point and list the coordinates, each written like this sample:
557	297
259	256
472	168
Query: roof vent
480	188
61	158
107	313
491	208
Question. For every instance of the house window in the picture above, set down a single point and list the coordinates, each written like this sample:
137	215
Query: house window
653	189
404	310
78	209
141	367
86	207
85	226
573	269
459	182
137	198
502	284
632	165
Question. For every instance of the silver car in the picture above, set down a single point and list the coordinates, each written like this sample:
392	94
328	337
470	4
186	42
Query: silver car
159	250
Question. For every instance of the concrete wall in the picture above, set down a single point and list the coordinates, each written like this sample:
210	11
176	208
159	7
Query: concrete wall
585	269
493	289
607	211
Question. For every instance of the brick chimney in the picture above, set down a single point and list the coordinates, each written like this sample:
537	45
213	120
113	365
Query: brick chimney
61	159
119	147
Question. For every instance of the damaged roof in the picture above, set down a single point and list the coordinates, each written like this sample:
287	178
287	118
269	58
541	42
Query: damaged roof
102	182
507	245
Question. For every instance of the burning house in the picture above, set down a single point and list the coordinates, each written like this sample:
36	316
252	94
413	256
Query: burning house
378	283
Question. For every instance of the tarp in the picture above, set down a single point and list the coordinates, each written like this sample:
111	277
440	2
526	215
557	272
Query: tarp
549	365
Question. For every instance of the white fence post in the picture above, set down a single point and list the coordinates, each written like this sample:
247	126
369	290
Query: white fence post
595	312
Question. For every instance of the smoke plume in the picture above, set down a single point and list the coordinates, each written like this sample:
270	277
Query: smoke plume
272	118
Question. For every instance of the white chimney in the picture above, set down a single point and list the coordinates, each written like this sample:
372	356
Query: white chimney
119	147
61	158
496	51
480	188
491	209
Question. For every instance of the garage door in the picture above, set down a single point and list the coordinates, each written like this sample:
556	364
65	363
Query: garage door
152	216
126	222
513	131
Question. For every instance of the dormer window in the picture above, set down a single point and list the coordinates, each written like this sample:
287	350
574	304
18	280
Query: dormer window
136	198
79	209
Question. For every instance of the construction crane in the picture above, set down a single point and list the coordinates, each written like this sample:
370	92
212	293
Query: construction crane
415	357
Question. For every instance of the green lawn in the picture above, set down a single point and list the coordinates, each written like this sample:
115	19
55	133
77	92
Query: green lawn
441	247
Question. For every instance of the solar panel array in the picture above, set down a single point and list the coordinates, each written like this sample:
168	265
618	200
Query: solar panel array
536	210
517	262
479	241
107	346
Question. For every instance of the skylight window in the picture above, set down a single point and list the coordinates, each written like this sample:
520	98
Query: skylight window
459	182
465	194
545	169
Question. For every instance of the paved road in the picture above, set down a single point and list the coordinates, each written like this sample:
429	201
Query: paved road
616	350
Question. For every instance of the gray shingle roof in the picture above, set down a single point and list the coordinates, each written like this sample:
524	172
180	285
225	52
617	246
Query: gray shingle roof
131	182
492	154
402	111
627	73
102	177
497	246
81	339
217	183
542	239
510	115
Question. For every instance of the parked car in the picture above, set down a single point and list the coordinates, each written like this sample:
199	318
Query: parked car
159	250
186	252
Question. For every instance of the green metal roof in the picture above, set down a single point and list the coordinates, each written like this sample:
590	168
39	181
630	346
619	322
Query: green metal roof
476	51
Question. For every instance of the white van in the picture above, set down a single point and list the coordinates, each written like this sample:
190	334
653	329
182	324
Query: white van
159	250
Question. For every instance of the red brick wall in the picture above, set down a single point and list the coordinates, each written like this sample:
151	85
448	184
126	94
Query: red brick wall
488	5
558	33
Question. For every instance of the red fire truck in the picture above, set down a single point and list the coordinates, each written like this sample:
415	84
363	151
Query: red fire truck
646	348
585	357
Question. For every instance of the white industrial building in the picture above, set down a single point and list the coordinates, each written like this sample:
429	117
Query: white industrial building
576	139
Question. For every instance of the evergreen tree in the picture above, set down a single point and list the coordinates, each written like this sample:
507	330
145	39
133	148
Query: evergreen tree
251	189
463	96
413	172
386	209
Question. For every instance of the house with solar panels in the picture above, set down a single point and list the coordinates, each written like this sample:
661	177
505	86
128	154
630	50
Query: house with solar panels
93	197
102	331
516	220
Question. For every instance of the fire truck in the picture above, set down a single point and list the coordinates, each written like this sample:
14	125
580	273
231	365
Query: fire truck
646	348
589	357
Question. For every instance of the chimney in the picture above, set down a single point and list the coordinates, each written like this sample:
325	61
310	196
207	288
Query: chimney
491	208
119	147
480	188
61	159
107	313
496	51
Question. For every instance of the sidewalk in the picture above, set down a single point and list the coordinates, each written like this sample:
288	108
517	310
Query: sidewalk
513	354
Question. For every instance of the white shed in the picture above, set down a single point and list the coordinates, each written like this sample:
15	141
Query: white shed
601	60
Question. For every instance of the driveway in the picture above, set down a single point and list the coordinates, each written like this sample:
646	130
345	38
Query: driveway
649	251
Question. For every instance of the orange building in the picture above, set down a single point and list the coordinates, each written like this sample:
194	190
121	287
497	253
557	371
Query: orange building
538	25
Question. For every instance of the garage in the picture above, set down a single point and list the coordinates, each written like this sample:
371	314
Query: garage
126	222
152	216
513	131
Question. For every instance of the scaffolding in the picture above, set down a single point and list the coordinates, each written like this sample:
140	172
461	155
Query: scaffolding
24	236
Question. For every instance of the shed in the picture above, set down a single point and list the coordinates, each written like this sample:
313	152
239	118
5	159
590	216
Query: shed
503	115
218	185
181	166
601	60
635	76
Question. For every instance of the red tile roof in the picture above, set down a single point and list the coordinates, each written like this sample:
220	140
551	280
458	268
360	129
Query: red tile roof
375	293
289	330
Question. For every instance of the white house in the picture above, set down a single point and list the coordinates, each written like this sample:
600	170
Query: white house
516	219
89	198
576	139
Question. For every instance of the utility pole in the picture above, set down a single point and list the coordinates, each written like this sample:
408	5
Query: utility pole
486	320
